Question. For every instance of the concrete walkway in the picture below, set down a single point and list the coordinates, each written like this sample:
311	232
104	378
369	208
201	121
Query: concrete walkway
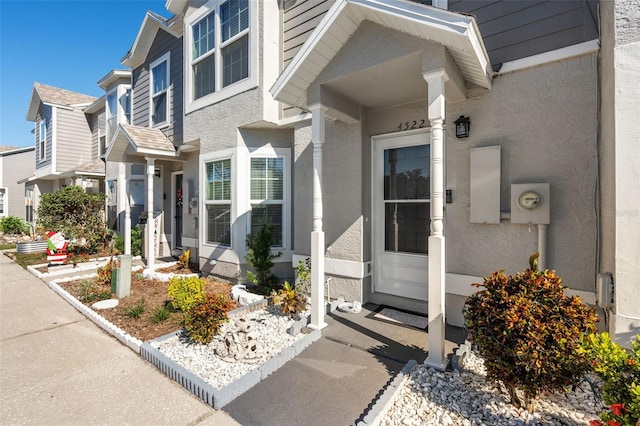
58	368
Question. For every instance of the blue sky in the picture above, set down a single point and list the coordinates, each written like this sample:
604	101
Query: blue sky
69	44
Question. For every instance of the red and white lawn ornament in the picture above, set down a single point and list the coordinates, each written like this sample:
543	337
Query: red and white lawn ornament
56	248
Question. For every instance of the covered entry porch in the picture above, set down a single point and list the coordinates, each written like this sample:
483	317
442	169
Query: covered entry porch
150	148
361	66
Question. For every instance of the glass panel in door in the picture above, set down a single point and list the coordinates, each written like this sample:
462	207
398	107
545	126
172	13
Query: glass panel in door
406	199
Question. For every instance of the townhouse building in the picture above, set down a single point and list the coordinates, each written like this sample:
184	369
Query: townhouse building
408	148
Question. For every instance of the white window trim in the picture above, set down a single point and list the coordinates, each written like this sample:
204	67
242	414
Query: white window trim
270	152
221	251
102	149
221	93
42	141
4	193
164	58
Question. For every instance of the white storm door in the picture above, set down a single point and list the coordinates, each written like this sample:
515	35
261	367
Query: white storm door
401	213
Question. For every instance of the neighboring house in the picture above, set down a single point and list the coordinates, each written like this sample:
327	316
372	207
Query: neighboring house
15	164
64	151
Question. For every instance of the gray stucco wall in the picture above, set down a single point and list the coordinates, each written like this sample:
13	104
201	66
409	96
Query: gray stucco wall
545	120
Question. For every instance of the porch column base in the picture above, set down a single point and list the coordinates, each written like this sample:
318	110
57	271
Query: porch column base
435	338
317	281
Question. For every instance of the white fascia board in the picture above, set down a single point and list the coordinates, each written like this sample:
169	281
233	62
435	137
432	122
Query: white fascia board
157	152
67	107
451	25
148	30
585	48
307	47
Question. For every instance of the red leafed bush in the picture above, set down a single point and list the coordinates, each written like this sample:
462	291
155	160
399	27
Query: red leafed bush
528	331
202	321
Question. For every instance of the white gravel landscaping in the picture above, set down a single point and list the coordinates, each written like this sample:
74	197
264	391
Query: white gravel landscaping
271	335
430	397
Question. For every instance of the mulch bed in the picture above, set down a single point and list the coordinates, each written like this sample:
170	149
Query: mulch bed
154	293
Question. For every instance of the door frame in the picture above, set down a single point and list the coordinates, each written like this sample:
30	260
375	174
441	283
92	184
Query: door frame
416	263
173	207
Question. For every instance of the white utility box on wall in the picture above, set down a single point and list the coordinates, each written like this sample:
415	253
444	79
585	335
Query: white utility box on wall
484	197
531	203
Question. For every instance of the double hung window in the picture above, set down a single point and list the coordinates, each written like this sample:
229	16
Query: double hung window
267	195
42	140
218	202
159	84
220	47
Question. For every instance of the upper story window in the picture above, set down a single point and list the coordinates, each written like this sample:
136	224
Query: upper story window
102	134
126	105
42	140
159	71
220	43
112	114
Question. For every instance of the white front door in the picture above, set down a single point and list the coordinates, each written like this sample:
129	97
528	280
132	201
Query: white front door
401	196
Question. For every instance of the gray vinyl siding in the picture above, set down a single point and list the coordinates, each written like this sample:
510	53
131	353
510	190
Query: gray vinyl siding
14	168
163	43
300	17
515	29
92	119
73	139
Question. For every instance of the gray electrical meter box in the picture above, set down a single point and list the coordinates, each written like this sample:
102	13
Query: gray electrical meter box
531	203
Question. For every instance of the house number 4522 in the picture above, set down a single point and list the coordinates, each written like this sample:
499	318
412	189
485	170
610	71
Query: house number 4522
409	125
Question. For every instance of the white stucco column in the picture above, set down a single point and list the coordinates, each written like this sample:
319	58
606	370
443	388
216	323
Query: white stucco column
436	303
317	234
126	200
149	205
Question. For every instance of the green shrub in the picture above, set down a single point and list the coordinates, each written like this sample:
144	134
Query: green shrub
529	332
260	257
185	292
290	300
303	274
203	320
136	310
75	213
160	314
620	374
136	241
13	225
89	293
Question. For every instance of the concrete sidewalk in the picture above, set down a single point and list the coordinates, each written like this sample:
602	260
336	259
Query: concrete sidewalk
58	368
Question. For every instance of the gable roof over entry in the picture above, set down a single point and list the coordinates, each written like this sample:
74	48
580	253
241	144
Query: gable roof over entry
458	33
140	141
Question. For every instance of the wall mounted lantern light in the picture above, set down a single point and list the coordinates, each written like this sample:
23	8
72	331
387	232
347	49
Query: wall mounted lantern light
157	172
462	127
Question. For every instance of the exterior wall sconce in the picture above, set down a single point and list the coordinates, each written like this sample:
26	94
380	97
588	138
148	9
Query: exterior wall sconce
156	172
462	127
